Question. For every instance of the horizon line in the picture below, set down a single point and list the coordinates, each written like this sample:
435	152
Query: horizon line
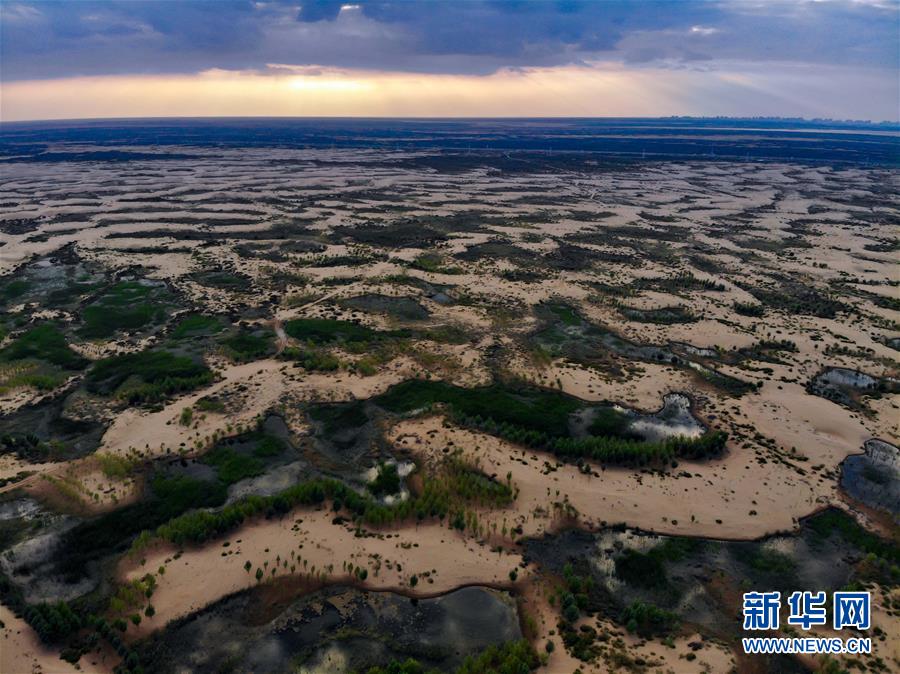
761	118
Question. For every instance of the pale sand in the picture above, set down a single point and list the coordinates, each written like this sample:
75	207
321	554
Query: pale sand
662	503
267	381
452	559
712	658
820	430
21	652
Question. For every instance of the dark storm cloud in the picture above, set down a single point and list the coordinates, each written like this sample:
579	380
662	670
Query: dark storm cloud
58	39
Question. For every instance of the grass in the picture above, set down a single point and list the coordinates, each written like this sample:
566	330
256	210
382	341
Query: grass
128	305
337	417
314	360
772	561
208	404
328	331
14	289
566	314
246	346
514	657
445	493
659	316
44	342
28	374
387	480
540	418
169	497
231	466
196	325
530	408
224	280
39	358
647	620
799	300
430	262
115	466
609	422
834	521
146	376
268	446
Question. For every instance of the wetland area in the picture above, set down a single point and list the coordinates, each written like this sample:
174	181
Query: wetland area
356	397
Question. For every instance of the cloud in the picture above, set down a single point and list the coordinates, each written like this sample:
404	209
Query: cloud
592	89
56	38
267	40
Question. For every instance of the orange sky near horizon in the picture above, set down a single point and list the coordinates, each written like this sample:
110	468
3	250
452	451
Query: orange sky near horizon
592	90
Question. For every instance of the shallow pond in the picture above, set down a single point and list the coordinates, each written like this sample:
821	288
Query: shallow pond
874	477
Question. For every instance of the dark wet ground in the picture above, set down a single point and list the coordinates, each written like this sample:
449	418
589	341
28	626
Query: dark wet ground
403	308
874	477
334	630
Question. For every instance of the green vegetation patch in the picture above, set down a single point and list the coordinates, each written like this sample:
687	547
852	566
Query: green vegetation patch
834	521
314	360
127	305
146	376
268	446
796	298
445	493
659	315
540	418
610	422
515	657
224	280
683	281
404	308
14	289
387	480
647	620
340	416
197	325
772	561
44	342
232	466
248	345
648	569
430	262
328	331
530	408
169	497
752	309
40	358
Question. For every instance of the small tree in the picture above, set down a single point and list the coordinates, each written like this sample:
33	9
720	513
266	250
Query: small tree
187	416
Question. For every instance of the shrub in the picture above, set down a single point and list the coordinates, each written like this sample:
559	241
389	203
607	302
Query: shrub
387	480
43	342
648	620
146	376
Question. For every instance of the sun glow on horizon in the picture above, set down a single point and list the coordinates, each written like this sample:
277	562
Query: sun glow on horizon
588	90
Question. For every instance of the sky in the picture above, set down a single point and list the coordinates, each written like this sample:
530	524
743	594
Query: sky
73	59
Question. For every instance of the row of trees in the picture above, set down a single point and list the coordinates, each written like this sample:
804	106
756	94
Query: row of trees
446	492
513	657
59	624
606	449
